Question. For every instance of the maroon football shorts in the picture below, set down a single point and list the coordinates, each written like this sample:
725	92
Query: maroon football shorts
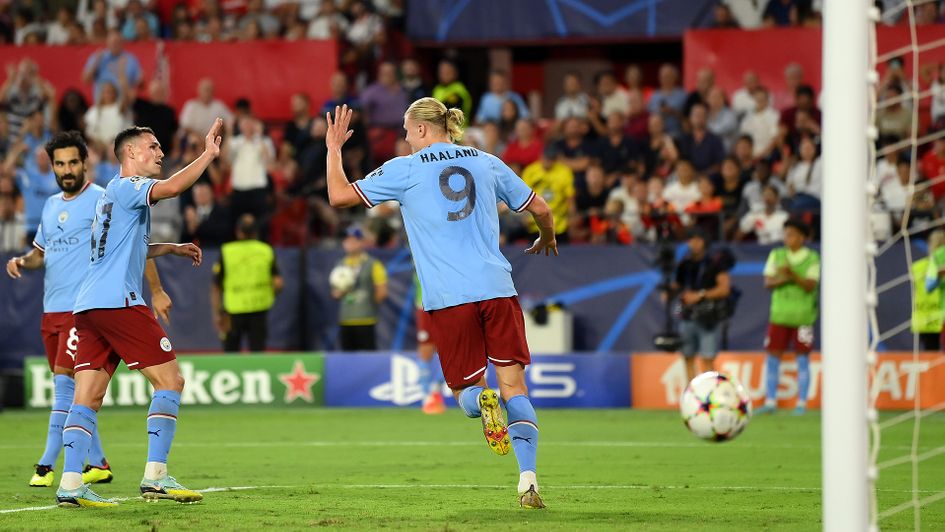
129	334
59	338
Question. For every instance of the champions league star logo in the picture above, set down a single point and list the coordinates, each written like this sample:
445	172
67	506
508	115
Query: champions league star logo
298	383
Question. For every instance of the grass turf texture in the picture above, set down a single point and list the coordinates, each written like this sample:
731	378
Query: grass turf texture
370	469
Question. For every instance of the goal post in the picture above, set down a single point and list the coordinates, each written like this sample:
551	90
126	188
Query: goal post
844	219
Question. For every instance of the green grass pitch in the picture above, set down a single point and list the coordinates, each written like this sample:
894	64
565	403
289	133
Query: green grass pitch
363	469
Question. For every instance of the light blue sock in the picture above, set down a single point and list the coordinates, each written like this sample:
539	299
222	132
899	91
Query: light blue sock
803	378
162	422
523	428
469	401
772	372
64	391
424	366
96	453
77	436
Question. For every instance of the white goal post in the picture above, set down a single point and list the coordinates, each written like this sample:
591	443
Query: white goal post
844	216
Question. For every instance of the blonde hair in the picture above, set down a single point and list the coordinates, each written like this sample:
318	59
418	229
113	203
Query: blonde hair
433	111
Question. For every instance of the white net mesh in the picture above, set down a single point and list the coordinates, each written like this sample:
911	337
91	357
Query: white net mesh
904	477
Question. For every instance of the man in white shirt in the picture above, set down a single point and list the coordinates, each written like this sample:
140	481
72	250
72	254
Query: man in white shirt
766	223
761	124
199	114
250	153
895	193
632	194
684	190
574	102
743	99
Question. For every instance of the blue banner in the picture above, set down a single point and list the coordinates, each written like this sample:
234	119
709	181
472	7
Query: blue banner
529	20
554	381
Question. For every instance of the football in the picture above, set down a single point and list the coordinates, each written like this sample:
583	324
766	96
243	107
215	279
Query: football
341	278
715	407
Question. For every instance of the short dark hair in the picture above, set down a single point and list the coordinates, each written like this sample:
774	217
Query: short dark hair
128	135
798	225
804	90
67	139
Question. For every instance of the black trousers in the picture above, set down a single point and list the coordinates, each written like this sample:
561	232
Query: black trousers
252	325
929	341
357	338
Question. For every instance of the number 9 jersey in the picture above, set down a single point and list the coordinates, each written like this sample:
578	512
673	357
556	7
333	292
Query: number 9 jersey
120	234
449	199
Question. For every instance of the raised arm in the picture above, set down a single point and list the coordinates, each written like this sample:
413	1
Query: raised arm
185	178
340	192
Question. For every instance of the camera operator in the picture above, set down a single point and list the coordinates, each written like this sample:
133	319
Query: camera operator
703	285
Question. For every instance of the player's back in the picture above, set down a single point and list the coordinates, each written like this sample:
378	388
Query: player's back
64	235
120	235
449	195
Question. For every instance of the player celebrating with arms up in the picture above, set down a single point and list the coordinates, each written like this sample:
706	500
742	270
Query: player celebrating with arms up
114	326
62	247
449	196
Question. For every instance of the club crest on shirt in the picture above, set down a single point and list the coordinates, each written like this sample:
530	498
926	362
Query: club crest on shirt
63	216
139	181
166	344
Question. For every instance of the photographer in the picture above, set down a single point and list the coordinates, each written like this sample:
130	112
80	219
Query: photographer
703	285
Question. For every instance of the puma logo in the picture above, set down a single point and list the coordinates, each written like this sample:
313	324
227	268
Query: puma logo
529	440
155	432
69	445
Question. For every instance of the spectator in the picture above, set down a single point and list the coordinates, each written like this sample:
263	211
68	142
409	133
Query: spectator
106	66
524	148
490	105
366	27
247	277
250	153
766	222
804	177
761	125
574	101
135	13
632	195
199	113
27	30
574	149
109	115
933	168
683	190
702	283
296	130
609	227
12	233
155	113
895	193
34	132
412	81
793	78
338	83
508	117
71	111
668	101
360	304
722	121
36	182
57	32
384	103
730	188
268	25
553	181
938	97
894	120
661	153
886	166
633	79
450	90
638	118
743	99
613	97
705	80
744	153
753	193
99	12
328	23
590	199
804	102
702	147
781	13
722	17
708	203
24	92
614	149
6	140
207	222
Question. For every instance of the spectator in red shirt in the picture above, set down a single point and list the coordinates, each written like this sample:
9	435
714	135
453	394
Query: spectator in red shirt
933	168
524	148
638	117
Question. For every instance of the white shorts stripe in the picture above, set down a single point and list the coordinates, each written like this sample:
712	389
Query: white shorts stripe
82	365
499	360
473	374
132	364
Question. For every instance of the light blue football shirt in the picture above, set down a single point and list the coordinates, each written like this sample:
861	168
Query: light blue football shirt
64	237
120	234
449	196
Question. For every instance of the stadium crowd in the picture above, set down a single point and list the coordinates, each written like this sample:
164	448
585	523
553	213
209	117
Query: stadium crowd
621	159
